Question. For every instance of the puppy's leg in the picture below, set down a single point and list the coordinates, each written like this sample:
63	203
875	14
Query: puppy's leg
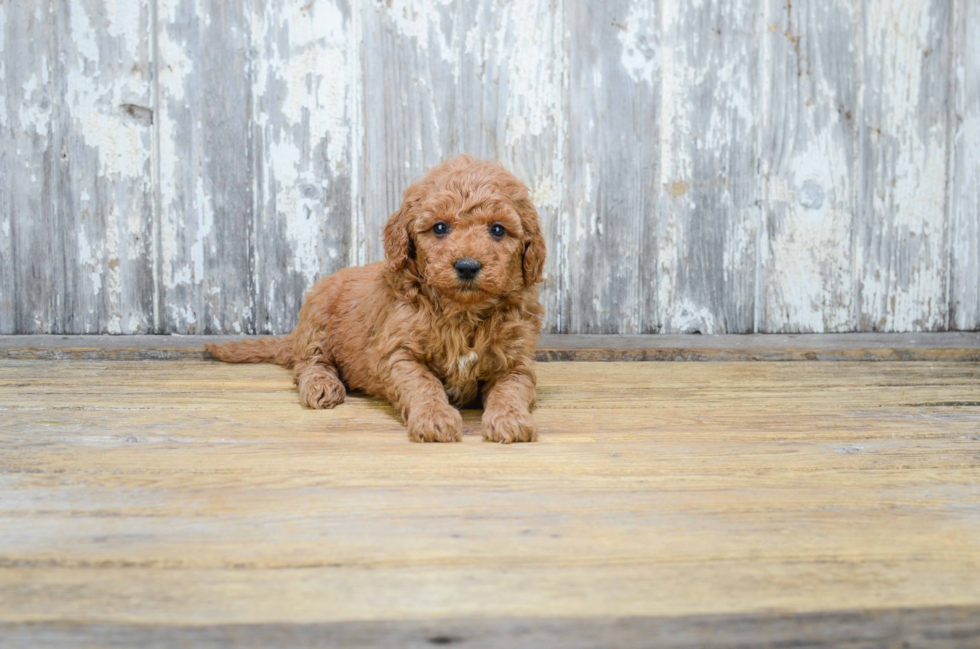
421	397
319	385
507	408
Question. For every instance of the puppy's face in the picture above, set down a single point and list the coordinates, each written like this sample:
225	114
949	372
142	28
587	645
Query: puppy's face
469	252
468	231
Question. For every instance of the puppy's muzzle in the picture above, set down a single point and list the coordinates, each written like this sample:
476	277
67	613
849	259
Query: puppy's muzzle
467	268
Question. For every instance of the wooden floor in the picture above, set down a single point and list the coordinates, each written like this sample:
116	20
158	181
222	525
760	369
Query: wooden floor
155	503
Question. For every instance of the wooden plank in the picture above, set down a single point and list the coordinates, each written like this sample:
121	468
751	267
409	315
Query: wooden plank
422	61
761	347
709	189
481	78
810	163
955	346
75	235
409	56
952	627
302	66
613	155
901	227
142	499
6	214
510	97
277	138
33	142
964	199
23	142
206	167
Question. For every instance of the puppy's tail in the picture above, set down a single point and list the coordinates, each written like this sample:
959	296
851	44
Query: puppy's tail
255	350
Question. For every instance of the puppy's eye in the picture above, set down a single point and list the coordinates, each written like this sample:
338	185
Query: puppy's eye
497	231
440	229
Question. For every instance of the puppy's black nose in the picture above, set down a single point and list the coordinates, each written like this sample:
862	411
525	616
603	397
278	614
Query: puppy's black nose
467	268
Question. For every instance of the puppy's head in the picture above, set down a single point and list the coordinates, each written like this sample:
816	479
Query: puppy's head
468	231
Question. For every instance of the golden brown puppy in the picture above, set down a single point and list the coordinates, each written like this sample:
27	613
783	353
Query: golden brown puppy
451	315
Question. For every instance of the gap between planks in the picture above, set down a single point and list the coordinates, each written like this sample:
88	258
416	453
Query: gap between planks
947	346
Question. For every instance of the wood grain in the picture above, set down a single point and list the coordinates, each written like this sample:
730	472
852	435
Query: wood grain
483	78
302	68
609	256
141	496
949	347
709	165
75	167
408	70
719	167
964	199
935	628
901	219
810	135
206	168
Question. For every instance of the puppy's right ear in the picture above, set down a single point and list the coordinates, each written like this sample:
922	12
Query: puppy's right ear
399	247
534	247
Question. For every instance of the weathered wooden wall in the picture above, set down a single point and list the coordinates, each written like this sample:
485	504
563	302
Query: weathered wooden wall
192	166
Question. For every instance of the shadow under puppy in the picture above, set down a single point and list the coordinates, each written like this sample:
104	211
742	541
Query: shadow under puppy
452	315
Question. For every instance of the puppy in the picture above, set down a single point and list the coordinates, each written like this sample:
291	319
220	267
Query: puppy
450	317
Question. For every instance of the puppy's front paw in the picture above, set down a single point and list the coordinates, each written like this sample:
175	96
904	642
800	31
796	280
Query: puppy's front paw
436	425
508	426
321	391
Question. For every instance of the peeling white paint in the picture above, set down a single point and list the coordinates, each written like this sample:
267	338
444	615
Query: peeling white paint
355	102
92	256
903	282
641	54
545	193
533	90
675	163
36	109
183	314
831	244
123	18
114	280
175	73
419	20
83	35
312	69
688	317
94	101
205	223
4	117
965	164
807	259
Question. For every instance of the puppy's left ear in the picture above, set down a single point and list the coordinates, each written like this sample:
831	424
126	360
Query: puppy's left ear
399	246
398	241
534	248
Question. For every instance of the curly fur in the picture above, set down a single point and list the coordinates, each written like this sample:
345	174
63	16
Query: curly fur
410	330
